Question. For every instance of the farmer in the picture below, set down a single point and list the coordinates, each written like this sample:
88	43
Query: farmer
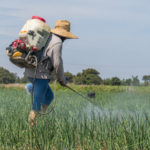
43	94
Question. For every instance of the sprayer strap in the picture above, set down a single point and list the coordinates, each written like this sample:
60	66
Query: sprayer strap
43	59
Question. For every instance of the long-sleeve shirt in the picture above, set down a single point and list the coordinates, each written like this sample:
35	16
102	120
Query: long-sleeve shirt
52	49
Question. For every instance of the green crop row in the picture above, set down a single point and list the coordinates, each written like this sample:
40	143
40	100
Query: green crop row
119	121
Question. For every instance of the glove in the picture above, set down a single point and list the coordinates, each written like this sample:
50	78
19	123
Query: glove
61	83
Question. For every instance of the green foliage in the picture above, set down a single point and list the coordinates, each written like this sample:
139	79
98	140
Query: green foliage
22	80
112	81
90	71
135	81
93	79
107	81
69	77
115	81
79	80
79	74
128	82
89	77
6	77
146	79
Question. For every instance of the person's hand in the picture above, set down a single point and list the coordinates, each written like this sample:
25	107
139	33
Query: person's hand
61	83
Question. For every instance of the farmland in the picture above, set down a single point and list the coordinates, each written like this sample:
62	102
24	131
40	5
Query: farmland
120	120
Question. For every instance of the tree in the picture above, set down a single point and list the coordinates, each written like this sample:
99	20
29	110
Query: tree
79	80
115	81
24	80
92	76
79	74
107	81
128	82
146	79
123	82
69	77
6	77
90	71
93	79
15	75
135	81
18	80
88	76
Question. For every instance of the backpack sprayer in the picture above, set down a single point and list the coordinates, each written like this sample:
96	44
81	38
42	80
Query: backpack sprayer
31	39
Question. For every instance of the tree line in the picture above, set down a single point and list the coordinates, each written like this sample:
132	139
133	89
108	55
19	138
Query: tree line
91	76
88	77
7	77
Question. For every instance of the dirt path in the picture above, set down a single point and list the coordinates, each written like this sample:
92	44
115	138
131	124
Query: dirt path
16	85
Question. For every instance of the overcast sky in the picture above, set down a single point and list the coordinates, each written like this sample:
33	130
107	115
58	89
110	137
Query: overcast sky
113	34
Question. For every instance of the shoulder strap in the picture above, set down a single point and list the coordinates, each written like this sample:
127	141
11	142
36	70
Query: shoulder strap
49	45
39	55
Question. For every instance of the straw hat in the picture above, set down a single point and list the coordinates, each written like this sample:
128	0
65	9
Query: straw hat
62	28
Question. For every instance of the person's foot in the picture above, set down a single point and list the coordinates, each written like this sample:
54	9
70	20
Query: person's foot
32	118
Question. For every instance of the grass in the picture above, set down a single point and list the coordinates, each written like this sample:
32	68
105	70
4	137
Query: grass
120	121
88	88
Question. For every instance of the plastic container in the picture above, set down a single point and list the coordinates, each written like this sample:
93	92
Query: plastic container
35	33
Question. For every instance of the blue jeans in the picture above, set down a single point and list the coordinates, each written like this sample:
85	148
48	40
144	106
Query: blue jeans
42	93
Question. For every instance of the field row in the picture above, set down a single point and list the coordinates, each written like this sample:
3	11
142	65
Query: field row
119	121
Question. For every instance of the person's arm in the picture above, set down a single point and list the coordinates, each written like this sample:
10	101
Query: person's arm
57	62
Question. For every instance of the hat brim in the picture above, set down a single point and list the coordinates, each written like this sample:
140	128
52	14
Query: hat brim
64	33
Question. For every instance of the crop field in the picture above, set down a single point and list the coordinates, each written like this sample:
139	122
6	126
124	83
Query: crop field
119	121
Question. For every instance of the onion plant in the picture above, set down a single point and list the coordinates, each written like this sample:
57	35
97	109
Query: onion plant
119	121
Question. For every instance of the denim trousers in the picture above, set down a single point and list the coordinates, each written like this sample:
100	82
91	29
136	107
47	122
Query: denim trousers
42	93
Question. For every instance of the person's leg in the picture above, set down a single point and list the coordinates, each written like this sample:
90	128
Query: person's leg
49	96
39	91
28	88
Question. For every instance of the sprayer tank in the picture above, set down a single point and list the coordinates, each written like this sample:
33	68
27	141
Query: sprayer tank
35	33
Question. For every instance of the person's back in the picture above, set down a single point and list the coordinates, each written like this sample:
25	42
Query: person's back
53	49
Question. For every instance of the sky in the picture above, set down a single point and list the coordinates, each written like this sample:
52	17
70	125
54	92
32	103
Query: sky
113	34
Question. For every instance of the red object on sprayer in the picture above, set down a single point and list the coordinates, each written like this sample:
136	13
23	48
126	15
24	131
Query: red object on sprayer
19	44
37	17
34	48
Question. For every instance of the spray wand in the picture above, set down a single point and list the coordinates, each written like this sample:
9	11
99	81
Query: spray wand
79	94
